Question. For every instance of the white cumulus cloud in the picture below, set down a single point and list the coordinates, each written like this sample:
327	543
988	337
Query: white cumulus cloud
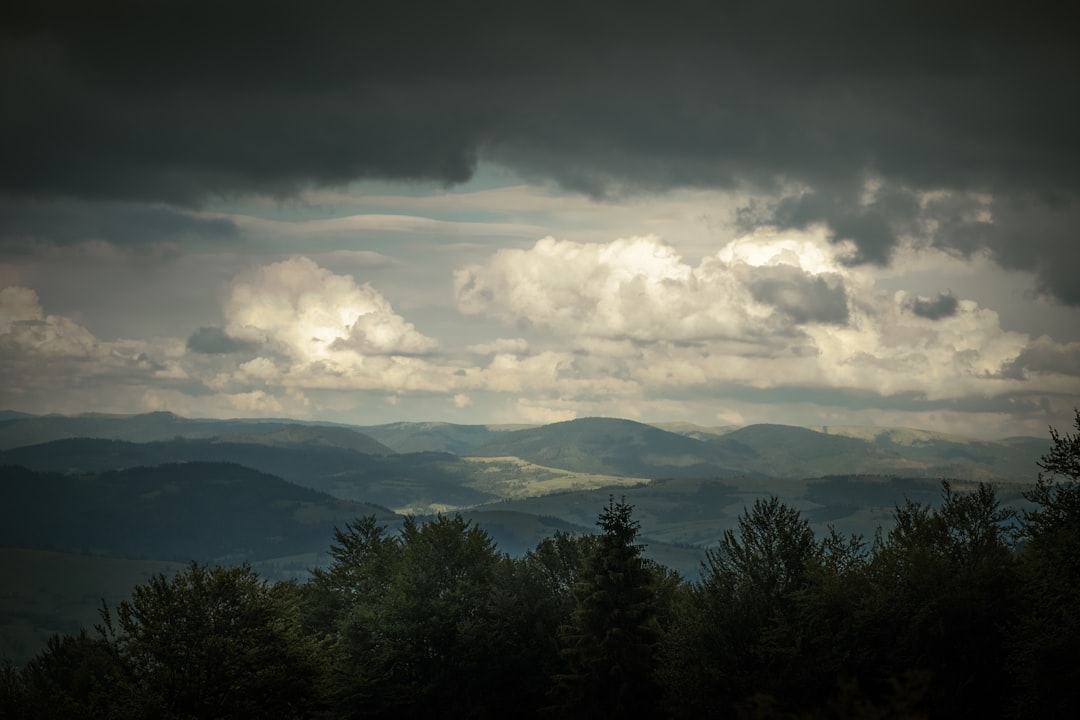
315	315
768	310
25	329
637	288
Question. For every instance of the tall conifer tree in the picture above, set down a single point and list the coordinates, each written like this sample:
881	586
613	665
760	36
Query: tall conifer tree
610	643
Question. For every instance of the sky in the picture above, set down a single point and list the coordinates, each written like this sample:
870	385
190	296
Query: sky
722	213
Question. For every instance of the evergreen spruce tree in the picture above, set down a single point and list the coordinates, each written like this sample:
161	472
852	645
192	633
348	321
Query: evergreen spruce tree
609	646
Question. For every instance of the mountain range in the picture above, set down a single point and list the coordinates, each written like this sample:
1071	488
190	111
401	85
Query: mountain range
162	489
606	446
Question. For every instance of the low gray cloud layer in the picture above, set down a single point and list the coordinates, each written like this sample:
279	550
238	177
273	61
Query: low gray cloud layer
185	102
121	223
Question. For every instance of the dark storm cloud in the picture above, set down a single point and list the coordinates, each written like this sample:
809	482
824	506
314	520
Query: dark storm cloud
874	226
943	306
804	298
215	341
183	101
72	221
1021	232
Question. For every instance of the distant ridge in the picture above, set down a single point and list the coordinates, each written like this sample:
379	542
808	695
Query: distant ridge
153	426
13	415
322	435
611	446
388	479
604	446
791	452
406	437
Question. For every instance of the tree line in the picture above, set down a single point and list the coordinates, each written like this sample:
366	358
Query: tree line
966	609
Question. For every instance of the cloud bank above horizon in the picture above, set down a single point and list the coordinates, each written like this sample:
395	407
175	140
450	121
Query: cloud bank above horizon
711	212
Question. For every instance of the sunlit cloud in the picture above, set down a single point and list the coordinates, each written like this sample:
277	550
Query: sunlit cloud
642	326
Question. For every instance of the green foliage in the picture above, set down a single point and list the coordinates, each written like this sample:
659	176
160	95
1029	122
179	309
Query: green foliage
434	605
558	561
207	642
216	642
739	633
415	617
519	639
944	597
961	609
610	643
849	702
1063	458
364	557
73	678
1048	641
12	691
766	560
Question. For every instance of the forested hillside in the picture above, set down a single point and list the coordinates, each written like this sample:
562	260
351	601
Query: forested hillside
963	609
384	479
182	511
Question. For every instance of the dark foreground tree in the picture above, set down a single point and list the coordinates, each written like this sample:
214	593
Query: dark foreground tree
610	644
216	642
414	632
76	677
1048	642
531	598
734	638
365	557
944	599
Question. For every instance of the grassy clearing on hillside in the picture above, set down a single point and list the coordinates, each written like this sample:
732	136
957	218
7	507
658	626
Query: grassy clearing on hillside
513	478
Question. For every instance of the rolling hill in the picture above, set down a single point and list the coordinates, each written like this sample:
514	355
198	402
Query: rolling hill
409	437
623	448
295	434
794	452
17	429
211	512
611	447
599	446
414	482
